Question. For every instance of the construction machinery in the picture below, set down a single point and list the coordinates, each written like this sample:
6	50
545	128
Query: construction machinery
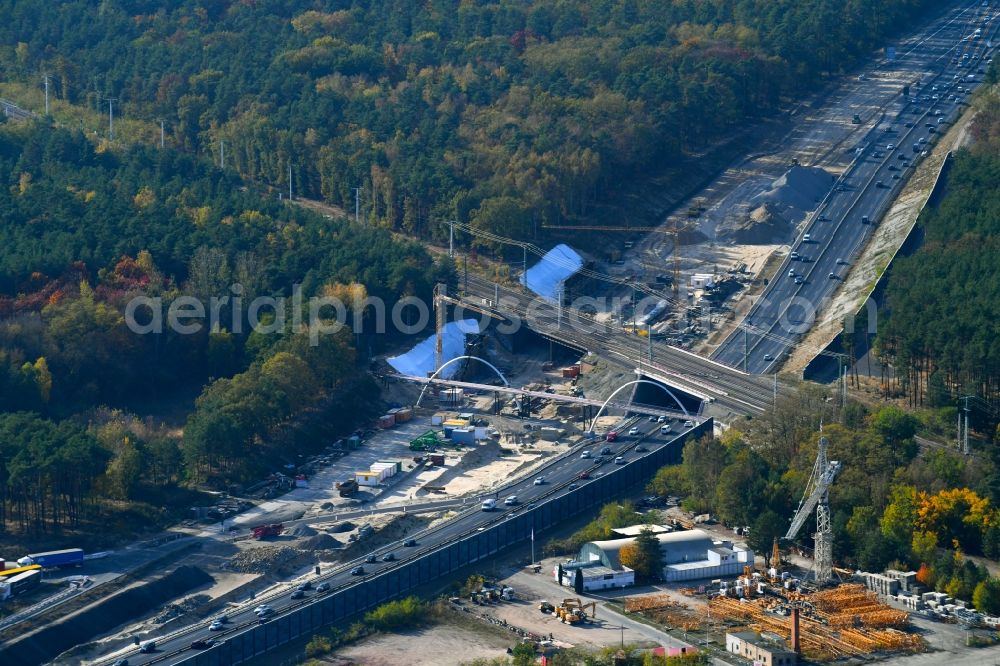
264	531
817	497
546	607
347	488
576	611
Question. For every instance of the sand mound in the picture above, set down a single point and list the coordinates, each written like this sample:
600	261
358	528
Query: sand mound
301	531
320	542
801	188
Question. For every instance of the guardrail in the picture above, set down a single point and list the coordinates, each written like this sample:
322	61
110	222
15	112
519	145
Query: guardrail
357	597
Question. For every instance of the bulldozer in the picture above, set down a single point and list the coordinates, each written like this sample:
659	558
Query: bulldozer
546	607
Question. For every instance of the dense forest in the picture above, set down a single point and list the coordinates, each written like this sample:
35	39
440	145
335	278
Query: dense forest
505	113
942	303
890	506
83	231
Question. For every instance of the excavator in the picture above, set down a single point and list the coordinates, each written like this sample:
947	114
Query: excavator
572	611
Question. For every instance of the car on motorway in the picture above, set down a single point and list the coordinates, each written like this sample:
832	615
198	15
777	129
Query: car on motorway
216	626
540	481
791	272
798	279
147	646
890	146
388	557
585	455
221	618
895	176
121	662
806	238
323	587
606	451
633	432
794	256
263	609
865	219
664	429
931	130
298	594
620	460
358	571
641	449
652	418
768	357
661	419
371	559
689	424
305	586
584	475
410	543
202	644
832	276
573	486
879	183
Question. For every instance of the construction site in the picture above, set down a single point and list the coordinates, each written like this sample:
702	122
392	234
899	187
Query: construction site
826	625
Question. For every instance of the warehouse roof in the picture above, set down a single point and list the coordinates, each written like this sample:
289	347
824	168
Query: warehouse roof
677	547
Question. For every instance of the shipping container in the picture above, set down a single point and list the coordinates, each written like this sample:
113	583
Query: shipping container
455	423
571	372
463	436
439	418
367	478
354	442
437	459
397	463
404	415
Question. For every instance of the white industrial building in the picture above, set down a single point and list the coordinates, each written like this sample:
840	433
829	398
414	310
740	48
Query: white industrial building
595	576
687	555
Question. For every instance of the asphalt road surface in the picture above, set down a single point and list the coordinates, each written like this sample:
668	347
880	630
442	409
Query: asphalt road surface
693	374
948	60
561	476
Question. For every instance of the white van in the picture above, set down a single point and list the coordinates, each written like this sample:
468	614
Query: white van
489	504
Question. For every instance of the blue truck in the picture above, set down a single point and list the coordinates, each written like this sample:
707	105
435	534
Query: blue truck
54	558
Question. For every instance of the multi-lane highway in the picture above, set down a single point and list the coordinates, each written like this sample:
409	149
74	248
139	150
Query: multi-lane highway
698	376
945	64
560	476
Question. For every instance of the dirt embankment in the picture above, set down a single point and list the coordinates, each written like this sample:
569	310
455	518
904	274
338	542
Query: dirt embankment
874	260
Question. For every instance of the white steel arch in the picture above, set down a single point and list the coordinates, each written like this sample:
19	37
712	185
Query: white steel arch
640	381
459	358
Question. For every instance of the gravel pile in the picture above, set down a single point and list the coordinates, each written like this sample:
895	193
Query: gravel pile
170	611
345	526
262	560
320	542
301	531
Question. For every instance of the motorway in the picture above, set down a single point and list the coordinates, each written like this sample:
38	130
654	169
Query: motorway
561	476
948	60
693	374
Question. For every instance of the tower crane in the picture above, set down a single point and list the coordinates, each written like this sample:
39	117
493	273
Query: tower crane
817	496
